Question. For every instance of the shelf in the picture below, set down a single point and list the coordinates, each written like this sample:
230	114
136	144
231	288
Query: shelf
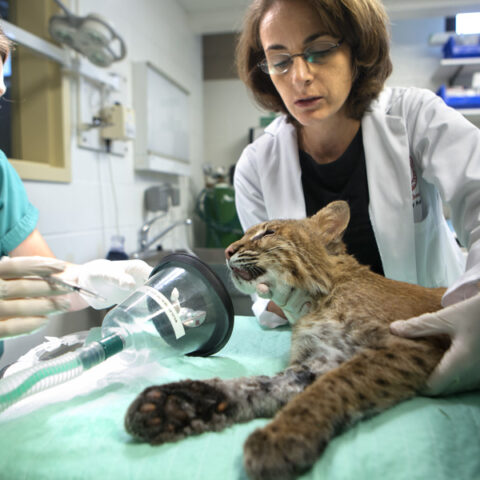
156	163
449	67
472	114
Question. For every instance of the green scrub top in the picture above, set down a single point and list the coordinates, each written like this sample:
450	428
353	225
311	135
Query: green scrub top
18	217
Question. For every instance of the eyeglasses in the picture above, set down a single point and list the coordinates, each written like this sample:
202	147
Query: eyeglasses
280	63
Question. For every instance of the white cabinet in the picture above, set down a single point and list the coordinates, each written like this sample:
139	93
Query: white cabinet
162	116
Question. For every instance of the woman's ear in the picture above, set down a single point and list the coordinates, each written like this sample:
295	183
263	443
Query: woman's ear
331	221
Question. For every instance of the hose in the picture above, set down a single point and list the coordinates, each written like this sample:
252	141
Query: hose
39	378
56	371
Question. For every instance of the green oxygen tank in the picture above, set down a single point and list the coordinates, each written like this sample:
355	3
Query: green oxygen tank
216	207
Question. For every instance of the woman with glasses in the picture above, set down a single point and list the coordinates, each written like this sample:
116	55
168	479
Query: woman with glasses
394	154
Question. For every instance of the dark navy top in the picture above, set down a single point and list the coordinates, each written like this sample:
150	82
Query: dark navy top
344	179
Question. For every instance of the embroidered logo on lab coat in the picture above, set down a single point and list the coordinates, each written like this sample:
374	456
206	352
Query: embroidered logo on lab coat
417	204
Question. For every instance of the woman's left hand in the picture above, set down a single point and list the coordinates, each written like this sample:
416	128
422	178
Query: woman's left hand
459	368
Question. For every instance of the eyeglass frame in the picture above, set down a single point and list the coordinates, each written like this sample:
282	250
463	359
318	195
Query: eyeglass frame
263	65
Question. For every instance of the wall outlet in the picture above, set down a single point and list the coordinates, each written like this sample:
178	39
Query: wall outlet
119	123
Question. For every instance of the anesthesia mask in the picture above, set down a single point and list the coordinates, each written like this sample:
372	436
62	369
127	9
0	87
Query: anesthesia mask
182	309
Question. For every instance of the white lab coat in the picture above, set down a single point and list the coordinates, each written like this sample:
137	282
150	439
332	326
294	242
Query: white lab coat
418	152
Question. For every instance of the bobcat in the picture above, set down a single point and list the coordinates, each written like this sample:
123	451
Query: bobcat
344	363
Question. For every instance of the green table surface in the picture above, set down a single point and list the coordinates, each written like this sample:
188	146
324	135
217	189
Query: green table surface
75	431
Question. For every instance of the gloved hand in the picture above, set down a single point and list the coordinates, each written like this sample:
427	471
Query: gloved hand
113	280
293	302
25	301
26	296
459	368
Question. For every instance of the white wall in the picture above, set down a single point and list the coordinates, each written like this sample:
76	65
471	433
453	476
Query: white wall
78	218
229	111
414	61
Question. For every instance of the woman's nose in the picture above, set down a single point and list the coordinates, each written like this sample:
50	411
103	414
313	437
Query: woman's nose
301	71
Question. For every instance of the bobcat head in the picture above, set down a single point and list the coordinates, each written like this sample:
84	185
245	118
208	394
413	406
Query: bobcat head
280	255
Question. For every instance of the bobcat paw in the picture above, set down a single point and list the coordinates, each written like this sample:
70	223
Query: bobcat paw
277	454
173	411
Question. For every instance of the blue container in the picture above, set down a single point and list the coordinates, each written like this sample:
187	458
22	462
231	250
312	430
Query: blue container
459	101
452	50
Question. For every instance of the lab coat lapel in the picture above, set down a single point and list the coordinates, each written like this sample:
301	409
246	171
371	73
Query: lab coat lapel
389	184
284	176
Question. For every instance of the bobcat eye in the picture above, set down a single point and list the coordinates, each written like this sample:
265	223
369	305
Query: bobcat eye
262	234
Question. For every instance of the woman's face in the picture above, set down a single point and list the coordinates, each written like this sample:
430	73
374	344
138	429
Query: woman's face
312	93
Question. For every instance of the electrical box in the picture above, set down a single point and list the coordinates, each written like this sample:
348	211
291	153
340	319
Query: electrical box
119	123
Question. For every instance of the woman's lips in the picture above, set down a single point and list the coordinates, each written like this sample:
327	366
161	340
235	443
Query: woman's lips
307	101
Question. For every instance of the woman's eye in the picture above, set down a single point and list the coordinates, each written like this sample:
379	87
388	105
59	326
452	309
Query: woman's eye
317	57
281	64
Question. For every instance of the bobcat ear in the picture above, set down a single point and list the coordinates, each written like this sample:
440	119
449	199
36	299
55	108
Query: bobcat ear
333	220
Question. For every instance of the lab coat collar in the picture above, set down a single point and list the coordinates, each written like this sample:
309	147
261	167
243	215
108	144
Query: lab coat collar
283	175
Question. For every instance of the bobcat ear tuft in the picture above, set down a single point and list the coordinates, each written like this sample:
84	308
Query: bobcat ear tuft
333	220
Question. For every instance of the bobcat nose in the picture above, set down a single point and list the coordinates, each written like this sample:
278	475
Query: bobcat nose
229	251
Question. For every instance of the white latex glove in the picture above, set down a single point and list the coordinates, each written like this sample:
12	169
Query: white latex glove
26	297
265	318
459	368
113	280
295	303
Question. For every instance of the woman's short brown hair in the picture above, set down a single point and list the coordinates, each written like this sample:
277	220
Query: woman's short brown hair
5	45
362	24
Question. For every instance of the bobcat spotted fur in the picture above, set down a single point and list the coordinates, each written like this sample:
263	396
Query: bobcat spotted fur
344	363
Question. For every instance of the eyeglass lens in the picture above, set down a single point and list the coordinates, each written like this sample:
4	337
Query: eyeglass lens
277	63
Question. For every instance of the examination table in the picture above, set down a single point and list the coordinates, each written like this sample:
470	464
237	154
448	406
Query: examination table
75	430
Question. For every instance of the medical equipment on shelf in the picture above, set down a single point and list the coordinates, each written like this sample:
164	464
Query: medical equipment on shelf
90	35
183	308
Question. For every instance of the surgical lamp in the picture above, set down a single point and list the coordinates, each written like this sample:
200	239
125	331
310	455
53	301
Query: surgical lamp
90	35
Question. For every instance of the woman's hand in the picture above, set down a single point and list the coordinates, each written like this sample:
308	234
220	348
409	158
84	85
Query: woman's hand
26	296
112	280
459	368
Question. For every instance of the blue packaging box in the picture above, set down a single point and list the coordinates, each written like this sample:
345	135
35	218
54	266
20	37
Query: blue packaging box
452	50
458	100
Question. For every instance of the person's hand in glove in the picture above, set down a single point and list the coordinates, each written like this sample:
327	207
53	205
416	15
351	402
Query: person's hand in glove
28	294
112	280
459	368
26	297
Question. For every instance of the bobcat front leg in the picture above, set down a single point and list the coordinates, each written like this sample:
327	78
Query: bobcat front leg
173	411
368	383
